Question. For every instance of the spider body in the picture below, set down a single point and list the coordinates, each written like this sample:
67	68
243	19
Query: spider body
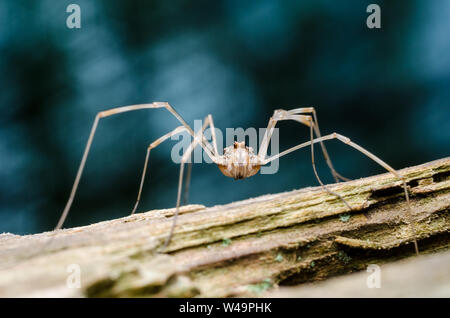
239	161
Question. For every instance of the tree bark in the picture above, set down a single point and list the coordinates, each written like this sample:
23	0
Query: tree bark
245	248
425	276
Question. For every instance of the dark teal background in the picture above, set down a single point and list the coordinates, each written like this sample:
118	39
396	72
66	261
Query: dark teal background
386	89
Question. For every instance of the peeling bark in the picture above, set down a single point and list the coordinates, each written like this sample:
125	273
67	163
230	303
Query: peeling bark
240	249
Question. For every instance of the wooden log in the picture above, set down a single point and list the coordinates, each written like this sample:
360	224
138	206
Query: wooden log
244	248
423	276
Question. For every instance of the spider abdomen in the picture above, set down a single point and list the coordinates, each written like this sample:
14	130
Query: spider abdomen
239	172
239	162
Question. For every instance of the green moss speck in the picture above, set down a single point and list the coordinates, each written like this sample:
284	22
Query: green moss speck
279	257
342	256
226	242
312	264
263	286
344	217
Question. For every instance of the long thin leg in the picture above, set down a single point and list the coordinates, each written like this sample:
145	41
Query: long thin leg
149	148
324	149
312	110
213	134
207	122
315	170
307	120
347	141
108	113
187	184
189	170
294	114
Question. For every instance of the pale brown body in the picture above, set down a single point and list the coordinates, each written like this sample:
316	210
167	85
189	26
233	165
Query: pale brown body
239	161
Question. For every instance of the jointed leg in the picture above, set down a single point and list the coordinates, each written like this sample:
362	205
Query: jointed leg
210	121
108	113
294	114
197	139
214	151
150	147
315	170
187	184
308	121
335	174
347	141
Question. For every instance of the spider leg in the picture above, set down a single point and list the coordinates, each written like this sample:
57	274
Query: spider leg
213	134
294	114
187	183
108	113
197	139
189	170
150	147
312	110
308	121
311	125
347	141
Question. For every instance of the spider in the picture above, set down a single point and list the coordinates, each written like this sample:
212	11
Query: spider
238	161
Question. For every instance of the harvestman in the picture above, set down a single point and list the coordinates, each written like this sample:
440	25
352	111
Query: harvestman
238	160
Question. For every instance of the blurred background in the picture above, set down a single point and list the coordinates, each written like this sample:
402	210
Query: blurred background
387	89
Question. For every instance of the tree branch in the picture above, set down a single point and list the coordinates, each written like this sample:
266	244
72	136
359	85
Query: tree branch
239	249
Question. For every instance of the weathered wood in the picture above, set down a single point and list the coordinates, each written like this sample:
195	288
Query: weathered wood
425	276
238	249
